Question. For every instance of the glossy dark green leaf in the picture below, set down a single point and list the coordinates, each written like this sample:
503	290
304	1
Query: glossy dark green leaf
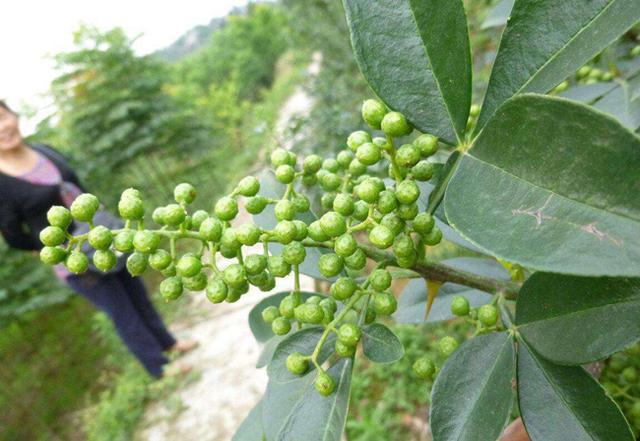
415	56
577	320
412	306
270	187
261	330
498	15
552	184
621	104
588	93
380	344
294	410
251	427
547	40
560	403
268	350
303	341
473	394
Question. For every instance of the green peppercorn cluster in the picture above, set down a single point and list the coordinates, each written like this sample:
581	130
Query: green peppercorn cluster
363	212
621	378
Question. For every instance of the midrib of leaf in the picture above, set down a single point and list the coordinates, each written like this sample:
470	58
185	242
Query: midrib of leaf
635	301
484	384
431	70
556	388
335	401
558	195
567	44
441	190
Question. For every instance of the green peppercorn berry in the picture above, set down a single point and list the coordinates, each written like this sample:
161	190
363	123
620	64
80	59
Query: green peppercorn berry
279	157
270	313
84	207
351	317
330	265
635	410
324	384
52	255
370	316
330	181
327	200
123	241
345	245
60	217
278	267
160	260
434	237
211	229
234	275
285	231
349	334
195	283
104	260
447	346
52	236
373	111
407	192
313	314
381	237
424	368
423	171
356	139
287	306
380	279
344	158
331	165
294	253
281	326
333	224
216	290
297	363
284	210
488	315
386	202
407	261
630	375
136	263
474	111
131	208
188	265
368	191
343	288
174	215
426	144
407	156
460	306
198	218
384	303
301	230
344	350
403	245
229	240
394	124
146	241
184	193
301	203
635	51
233	295
344	204
76	262
360	210
131	193
171	288
329	304
248	234
169	271
357	260
226	208
393	222
357	168
407	211
248	186
368	153
285	174
256	204
423	223
311	164
255	263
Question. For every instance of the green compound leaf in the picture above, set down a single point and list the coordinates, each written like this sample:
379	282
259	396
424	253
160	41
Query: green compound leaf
261	330
577	320
294	410
251	427
473	394
547	40
560	403
303	341
415	56
558	194
380	344
412	306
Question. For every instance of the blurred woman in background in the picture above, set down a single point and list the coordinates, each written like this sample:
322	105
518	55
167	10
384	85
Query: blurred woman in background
32	179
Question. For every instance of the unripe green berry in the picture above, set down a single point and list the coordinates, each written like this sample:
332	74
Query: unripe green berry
256	204
344	158
123	241
184	193
368	153
297	363
330	265
195	283
344	204
234	275
330	181
356	139
384	303
357	168
104	260
324	384
434	237
248	186
281	326
316	233
327	200
368	191
216	290
285	231
76	262
373	111
188	265
394	124
333	224
381	237
344	350
447	346
279	157
407	192
345	245
349	334
331	165
248	234
131	193
255	263
60	217
160	260
488	315
423	171
131	208
171	288
230	242
387	202
407	211
380	279
284	210
226	208
351	317
460	306
294	253
424	368
423	223
360	210
52	236
287	306
426	144
329	304
343	288
311	313
270	313
312	164
403	245
285	174
84	207
211	229
301	203
136	263
357	260
146	241
407	156
278	267
52	255
408	261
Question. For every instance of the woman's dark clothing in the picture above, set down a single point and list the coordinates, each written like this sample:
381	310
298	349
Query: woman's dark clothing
23	208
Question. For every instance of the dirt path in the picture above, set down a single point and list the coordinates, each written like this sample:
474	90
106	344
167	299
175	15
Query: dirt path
226	384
